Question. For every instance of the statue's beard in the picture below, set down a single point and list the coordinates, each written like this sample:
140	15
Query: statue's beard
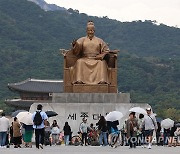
90	36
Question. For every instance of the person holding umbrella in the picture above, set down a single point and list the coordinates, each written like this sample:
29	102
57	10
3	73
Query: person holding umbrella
113	132
131	129
112	122
28	135
25	118
140	134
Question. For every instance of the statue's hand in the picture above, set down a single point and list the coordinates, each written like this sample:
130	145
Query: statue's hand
74	42
99	57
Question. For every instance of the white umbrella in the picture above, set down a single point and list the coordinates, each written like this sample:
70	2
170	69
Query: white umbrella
15	113
113	116
138	110
25	117
167	123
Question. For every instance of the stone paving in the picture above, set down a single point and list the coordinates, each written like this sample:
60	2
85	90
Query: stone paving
91	150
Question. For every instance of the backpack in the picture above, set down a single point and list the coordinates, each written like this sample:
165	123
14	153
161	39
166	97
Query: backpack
38	118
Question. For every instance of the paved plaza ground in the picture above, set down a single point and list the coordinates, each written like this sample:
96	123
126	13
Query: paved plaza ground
92	150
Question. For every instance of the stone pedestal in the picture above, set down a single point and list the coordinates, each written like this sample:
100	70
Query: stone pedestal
72	107
91	98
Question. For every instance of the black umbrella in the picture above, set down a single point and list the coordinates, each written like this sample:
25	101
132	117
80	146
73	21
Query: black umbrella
177	124
15	113
51	113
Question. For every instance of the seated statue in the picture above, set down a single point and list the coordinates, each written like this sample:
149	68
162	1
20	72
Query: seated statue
91	68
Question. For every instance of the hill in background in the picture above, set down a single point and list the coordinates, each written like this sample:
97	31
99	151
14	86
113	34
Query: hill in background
30	39
47	7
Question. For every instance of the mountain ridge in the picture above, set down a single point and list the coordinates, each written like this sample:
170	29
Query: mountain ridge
30	39
47	7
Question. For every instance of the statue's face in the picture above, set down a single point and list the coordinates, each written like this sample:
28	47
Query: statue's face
90	31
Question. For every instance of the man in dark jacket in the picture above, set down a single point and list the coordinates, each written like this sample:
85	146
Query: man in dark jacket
67	133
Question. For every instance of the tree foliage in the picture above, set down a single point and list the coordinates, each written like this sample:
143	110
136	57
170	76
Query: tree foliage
30	39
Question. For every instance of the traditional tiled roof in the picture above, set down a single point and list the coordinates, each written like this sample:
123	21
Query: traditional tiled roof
36	85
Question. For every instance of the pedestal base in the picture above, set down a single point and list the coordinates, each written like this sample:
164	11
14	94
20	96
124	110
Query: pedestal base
72	107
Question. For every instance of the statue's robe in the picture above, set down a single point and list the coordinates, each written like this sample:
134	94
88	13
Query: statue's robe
87	69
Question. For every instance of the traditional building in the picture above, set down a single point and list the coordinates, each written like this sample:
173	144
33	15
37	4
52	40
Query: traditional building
34	90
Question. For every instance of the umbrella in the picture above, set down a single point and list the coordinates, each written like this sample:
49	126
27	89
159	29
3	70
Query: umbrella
51	113
113	116
167	123
25	117
138	110
177	124
14	114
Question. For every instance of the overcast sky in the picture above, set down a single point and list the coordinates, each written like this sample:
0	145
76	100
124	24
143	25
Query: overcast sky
163	11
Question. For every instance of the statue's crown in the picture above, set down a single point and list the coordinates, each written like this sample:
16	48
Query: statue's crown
90	23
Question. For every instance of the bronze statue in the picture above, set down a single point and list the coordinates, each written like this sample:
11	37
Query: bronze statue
91	68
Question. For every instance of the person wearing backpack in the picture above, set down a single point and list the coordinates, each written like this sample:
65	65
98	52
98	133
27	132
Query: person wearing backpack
39	120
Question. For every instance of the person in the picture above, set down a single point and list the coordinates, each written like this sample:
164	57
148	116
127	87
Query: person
90	68
11	134
83	130
67	133
172	131
92	135
39	129
159	134
150	125
102	127
113	133
17	136
47	133
4	127
131	129
166	135
140	133
55	131
28	133
124	134
177	135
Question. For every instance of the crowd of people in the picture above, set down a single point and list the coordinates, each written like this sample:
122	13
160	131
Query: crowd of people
136	131
20	134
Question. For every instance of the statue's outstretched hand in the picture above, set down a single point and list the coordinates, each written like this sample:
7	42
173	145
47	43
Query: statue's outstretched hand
114	51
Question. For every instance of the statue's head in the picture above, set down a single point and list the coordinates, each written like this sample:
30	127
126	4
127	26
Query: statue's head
90	29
